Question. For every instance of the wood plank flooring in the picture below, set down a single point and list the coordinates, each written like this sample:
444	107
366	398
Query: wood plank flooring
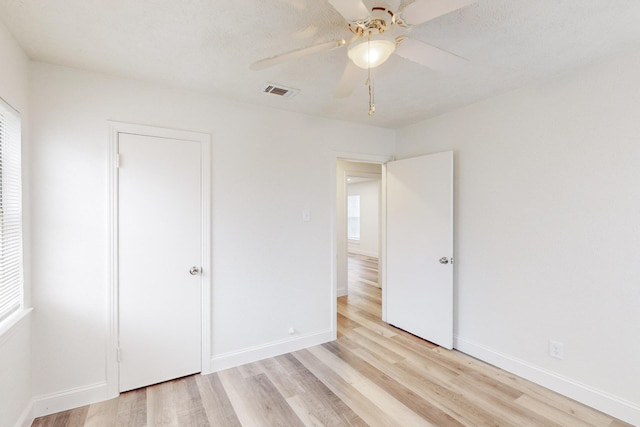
372	375
362	270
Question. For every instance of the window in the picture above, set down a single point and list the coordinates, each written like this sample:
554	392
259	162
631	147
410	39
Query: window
353	217
11	276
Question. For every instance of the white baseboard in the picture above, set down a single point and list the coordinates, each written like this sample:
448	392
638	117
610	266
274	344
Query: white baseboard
86	395
253	354
26	418
357	251
342	292
600	400
68	399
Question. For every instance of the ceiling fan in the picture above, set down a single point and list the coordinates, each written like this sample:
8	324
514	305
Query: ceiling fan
377	34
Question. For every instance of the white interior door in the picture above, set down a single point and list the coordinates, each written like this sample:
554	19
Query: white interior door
419	271
159	208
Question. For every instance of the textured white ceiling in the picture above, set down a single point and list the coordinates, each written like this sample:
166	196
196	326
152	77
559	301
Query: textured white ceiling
208	45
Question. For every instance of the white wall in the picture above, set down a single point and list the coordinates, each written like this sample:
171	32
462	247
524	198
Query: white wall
369	192
547	230
15	344
271	270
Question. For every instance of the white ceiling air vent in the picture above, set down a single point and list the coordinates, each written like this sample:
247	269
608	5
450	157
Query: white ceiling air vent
286	92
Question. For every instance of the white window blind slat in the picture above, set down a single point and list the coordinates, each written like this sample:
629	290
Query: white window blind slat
11	269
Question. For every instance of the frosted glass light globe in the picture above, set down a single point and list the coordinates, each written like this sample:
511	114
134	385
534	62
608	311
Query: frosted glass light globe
371	53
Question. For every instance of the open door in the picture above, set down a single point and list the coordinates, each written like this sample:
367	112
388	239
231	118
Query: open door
419	246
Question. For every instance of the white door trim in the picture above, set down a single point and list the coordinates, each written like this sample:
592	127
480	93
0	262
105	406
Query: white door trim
352	157
116	128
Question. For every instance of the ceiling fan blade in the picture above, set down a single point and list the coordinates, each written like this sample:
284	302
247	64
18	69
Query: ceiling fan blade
431	56
393	4
351	10
352	74
298	53
424	10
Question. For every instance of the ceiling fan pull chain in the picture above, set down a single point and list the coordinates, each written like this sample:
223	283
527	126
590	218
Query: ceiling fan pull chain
372	105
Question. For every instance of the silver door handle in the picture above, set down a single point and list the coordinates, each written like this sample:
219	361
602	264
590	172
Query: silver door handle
444	260
194	270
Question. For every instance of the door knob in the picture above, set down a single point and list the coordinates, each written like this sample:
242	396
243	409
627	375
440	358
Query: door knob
194	270
444	260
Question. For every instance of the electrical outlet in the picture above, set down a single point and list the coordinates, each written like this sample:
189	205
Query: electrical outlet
556	349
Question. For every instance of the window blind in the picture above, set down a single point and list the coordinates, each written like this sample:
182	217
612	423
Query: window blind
11	271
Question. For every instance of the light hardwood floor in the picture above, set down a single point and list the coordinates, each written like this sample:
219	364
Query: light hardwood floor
363	269
372	375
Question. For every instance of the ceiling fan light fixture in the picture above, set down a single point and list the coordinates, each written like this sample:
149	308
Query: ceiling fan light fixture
371	53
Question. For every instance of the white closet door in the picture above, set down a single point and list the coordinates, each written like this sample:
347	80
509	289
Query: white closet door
159	242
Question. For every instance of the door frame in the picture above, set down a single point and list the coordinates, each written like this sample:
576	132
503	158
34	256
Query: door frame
115	129
363	158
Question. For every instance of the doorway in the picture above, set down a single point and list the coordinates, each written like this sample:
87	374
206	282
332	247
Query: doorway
363	229
358	220
416	243
160	255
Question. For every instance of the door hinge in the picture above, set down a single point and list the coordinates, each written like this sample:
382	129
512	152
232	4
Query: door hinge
451	260
119	355
118	161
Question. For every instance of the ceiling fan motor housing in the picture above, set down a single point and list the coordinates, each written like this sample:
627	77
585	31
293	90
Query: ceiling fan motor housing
380	20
